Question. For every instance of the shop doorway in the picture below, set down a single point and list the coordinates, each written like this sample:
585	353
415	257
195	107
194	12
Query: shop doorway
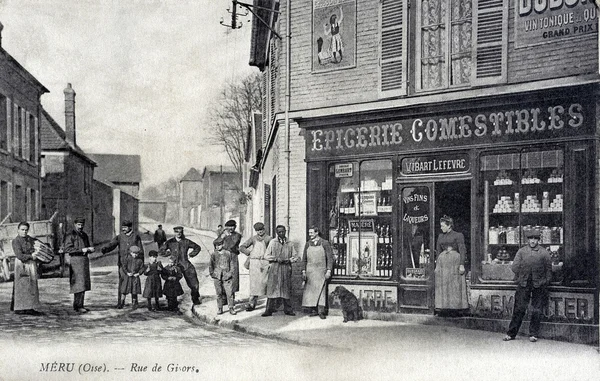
453	199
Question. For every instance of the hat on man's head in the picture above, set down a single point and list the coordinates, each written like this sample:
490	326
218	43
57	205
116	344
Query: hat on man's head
230	223
79	220
259	226
127	223
534	233
134	249
178	228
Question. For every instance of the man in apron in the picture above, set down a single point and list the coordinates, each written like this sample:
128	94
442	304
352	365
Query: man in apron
317	261
258	268
25	286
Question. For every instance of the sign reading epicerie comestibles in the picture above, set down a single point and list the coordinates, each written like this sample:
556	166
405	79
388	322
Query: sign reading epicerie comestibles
527	122
543	21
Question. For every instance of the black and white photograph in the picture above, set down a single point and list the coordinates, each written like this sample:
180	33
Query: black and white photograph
300	189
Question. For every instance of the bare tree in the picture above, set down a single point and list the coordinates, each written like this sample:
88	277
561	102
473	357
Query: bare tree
231	115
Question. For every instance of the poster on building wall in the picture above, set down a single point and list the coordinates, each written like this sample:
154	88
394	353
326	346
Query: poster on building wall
547	21
333	34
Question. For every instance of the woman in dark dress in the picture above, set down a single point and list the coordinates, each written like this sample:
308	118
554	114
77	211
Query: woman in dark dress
450	283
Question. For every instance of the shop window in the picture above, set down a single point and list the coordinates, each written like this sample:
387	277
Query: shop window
522	191
415	221
360	218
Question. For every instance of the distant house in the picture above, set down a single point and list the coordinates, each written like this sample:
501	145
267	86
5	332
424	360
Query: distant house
190	196
222	187
20	109
116	178
67	172
124	171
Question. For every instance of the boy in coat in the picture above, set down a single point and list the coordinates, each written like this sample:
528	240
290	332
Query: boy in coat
171	273
131	269
221	270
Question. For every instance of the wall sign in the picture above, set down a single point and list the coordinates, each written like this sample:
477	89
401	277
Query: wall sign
415	205
546	21
562	306
364	225
370	298
525	122
344	170
333	34
433	165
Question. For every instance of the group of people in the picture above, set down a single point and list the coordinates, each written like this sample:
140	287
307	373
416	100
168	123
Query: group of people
269	263
532	267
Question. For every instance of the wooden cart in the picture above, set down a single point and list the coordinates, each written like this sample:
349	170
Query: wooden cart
48	231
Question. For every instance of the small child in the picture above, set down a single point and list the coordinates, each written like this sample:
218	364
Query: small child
172	288
220	269
153	287
131	270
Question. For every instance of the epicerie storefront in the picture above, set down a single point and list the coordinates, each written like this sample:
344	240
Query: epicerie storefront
379	183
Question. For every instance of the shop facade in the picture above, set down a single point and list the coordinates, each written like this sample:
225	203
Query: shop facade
379	182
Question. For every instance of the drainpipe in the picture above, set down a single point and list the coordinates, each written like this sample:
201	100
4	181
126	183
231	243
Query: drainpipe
288	65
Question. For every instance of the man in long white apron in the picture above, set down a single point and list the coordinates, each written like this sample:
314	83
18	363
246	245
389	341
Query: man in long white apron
255	248
317	261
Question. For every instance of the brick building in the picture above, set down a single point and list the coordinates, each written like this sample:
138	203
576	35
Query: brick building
20	113
380	117
190	197
67	172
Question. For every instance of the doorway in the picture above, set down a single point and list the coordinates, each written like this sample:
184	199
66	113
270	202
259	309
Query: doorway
453	199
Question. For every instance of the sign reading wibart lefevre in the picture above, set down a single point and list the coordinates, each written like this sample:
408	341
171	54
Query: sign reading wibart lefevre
545	21
532	122
426	165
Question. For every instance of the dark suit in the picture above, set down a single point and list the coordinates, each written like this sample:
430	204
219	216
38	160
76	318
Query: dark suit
533	272
179	250
80	278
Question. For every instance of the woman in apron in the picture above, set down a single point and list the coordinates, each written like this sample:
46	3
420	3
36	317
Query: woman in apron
317	260
26	296
450	283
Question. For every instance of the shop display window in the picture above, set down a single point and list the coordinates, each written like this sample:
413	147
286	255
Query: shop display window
522	191
360	218
416	222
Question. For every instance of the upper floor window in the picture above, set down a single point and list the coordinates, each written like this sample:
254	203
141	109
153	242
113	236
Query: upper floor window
444	43
4	122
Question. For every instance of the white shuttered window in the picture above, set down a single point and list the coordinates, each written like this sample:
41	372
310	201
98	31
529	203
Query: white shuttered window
392	48
490	38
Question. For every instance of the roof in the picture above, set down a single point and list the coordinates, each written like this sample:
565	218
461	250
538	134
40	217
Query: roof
192	175
217	169
260	34
117	168
27	75
53	138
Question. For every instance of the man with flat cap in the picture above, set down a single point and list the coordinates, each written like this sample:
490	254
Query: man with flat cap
533	271
77	245
124	241
231	242
178	247
255	248
160	236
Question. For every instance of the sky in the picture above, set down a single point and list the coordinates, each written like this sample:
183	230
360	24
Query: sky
146	73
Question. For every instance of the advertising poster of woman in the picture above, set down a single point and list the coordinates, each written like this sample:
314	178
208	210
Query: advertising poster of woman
334	34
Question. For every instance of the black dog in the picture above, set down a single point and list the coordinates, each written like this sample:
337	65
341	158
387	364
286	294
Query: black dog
350	307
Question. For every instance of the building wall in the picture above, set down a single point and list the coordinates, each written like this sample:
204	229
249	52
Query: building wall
153	210
129	207
103	226
359	84
20	174
191	193
132	189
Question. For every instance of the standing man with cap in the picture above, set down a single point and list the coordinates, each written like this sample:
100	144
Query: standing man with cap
77	245
258	265
178	247
317	264
160	236
124	241
231	242
533	271
280	254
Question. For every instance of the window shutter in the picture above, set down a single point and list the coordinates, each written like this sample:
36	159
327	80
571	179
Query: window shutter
9	198
265	101
392	62
9	141
490	40
23	137
16	129
29	200
273	69
36	147
26	140
37	204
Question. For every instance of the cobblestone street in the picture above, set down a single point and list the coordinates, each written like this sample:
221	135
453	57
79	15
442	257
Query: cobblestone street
104	322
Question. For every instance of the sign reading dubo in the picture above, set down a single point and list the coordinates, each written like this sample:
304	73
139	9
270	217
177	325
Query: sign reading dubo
545	21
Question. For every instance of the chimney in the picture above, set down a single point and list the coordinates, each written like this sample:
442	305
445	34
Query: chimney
70	114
